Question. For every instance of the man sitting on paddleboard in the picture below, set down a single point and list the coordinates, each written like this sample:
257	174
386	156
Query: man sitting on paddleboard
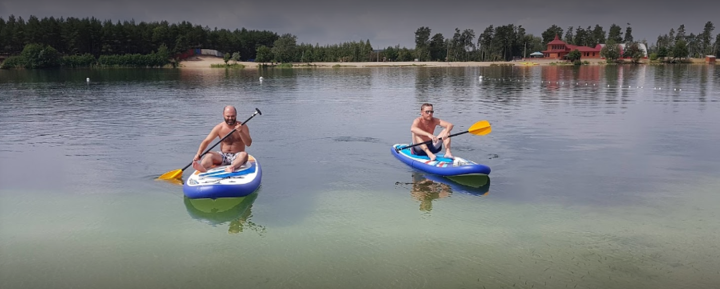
423	129
232	149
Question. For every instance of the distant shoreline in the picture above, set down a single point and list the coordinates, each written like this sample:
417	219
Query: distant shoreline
204	62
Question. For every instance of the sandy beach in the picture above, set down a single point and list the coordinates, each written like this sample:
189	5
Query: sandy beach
197	62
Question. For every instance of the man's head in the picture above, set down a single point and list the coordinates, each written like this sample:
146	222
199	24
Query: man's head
426	110
230	115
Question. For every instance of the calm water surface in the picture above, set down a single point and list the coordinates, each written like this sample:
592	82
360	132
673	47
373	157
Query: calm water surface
603	177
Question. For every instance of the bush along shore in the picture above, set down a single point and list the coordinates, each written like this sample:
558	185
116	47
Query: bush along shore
45	56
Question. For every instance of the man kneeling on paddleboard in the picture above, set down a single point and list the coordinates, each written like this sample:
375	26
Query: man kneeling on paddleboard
232	149
423	129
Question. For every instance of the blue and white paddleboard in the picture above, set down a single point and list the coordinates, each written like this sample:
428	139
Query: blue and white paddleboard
217	183
440	166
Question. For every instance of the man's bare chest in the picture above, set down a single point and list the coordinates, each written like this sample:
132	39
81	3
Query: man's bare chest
428	127
233	138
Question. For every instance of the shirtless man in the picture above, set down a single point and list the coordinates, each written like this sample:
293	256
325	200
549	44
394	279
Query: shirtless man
423	129
232	149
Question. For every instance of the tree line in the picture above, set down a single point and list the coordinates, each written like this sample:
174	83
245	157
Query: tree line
695	45
497	43
76	42
88	41
90	36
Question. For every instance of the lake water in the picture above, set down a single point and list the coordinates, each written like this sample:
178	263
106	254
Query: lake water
603	177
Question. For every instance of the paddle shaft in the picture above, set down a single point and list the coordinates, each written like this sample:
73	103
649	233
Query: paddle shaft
222	139
430	141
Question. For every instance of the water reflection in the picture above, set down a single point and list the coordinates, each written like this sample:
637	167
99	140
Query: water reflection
77	77
176	182
429	187
234	211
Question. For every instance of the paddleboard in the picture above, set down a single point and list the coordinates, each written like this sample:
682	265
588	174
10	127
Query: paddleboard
440	166
217	183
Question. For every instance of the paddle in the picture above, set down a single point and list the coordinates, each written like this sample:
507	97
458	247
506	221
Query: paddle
176	174
479	128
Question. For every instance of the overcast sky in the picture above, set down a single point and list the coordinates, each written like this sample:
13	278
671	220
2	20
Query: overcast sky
386	23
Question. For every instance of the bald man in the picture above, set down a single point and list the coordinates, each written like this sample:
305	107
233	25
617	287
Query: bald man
232	149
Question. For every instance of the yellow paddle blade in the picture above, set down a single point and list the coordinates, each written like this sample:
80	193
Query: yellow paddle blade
480	128
176	174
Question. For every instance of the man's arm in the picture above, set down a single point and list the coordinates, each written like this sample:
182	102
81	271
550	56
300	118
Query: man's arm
447	128
210	137
244	132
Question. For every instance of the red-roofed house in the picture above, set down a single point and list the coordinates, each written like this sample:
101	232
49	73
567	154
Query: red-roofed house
558	49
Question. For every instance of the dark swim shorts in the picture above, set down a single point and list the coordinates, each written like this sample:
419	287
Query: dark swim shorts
417	150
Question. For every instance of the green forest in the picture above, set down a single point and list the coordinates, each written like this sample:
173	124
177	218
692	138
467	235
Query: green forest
89	42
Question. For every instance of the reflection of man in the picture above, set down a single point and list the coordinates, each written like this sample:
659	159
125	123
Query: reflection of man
425	191
243	222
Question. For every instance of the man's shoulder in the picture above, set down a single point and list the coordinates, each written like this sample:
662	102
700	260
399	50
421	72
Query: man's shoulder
219	127
441	120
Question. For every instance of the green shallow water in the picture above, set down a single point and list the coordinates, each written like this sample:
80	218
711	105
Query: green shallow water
351	238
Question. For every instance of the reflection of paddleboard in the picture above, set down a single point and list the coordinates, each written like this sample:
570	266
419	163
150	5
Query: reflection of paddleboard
440	166
477	185
218	211
216	183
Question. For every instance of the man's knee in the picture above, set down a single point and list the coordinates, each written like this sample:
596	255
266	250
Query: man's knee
241	158
214	157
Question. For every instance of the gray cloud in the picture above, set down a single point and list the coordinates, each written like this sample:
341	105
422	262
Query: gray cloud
384	23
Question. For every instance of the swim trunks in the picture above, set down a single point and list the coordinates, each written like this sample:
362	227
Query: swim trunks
228	158
433	149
